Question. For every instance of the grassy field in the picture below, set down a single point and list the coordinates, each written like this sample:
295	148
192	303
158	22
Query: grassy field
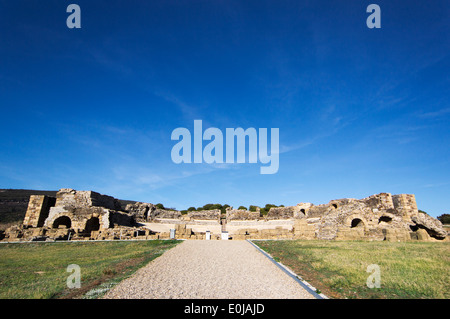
38	270
339	269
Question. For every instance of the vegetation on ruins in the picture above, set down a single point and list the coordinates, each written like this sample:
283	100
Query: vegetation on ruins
444	218
206	207
252	208
264	210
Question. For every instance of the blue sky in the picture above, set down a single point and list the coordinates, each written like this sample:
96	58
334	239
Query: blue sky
360	111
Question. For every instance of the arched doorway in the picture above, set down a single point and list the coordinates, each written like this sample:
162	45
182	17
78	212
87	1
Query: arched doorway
356	223
385	219
92	224
62	221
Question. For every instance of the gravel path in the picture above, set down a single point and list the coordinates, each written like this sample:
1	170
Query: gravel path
210	269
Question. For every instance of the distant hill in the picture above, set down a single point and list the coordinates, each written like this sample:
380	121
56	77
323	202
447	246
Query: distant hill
14	203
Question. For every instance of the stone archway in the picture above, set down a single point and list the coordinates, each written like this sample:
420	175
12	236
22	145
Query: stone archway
384	218
62	221
92	224
356	222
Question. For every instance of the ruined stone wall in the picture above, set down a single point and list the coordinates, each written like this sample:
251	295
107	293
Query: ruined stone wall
382	201
141	211
213	214
38	210
304	230
242	214
281	212
431	225
164	213
76	215
405	204
119	219
146	212
68	197
258	228
302	210
317	211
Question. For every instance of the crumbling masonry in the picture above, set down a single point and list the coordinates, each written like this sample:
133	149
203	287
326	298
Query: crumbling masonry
87	215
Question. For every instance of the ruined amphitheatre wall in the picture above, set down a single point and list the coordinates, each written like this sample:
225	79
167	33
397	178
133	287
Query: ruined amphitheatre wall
90	215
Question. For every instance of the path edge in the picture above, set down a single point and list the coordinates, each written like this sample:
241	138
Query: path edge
306	285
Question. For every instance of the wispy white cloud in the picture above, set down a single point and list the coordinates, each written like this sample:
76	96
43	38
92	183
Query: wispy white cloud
332	122
111	63
433	185
148	178
189	112
434	114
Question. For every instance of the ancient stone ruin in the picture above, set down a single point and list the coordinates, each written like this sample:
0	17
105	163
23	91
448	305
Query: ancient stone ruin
87	215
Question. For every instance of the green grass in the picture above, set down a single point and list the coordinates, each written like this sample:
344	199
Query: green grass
338	268
38	270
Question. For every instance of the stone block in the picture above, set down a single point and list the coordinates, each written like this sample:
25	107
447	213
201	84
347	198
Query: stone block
38	210
422	235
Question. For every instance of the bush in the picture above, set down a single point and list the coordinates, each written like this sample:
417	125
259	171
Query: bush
266	208
253	208
160	206
444	218
209	207
212	206
242	207
223	210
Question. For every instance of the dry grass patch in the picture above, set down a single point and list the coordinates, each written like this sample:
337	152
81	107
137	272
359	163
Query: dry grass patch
38	270
338	268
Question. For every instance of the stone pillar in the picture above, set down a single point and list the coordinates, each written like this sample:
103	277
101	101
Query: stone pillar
37	211
406	205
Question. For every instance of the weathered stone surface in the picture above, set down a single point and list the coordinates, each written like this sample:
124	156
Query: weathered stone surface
213	214
165	213
68	197
242	214
433	226
142	212
302	210
281	212
303	230
382	201
405	204
38	210
77	215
